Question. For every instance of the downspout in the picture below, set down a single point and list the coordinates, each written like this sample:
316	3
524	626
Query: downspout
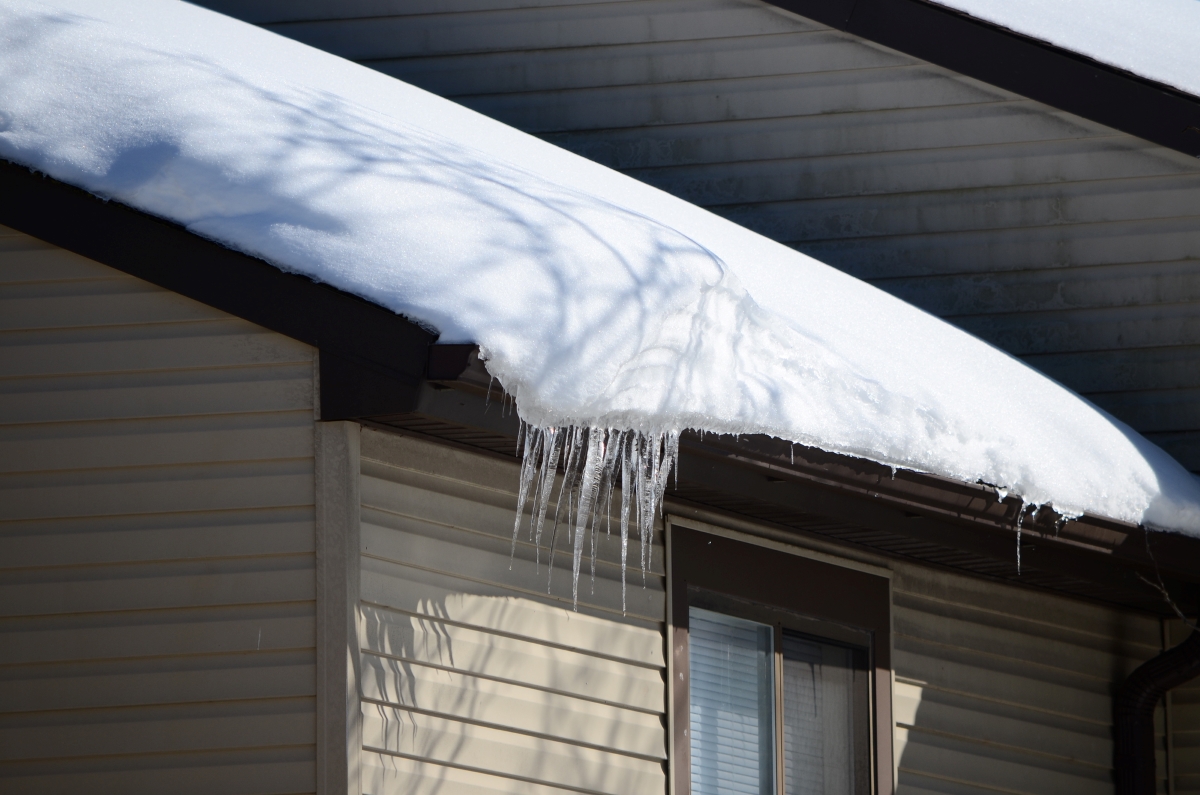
1133	712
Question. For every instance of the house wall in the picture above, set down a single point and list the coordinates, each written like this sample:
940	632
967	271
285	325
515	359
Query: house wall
156	538
475	680
1064	242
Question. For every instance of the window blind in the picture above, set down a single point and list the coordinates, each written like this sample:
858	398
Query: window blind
731	664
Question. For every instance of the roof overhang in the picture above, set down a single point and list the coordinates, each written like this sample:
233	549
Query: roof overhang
1026	66
383	370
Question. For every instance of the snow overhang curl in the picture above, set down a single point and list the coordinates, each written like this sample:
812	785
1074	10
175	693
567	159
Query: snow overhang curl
598	302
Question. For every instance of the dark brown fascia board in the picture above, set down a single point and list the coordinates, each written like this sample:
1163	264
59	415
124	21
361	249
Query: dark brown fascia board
930	508
1012	61
373	360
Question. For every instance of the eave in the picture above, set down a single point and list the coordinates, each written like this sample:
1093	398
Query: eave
384	370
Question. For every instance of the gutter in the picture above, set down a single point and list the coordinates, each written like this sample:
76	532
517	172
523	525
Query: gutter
1134	765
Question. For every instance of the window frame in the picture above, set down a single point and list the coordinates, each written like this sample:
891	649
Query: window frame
822	599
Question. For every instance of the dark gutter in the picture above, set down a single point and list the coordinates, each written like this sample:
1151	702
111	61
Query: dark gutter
804	492
1035	69
1134	765
372	360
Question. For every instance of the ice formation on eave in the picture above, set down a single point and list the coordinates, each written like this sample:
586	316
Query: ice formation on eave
1155	39
607	308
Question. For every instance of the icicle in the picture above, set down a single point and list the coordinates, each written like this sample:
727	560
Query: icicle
545	485
566	491
589	488
1020	518
627	465
528	469
590	459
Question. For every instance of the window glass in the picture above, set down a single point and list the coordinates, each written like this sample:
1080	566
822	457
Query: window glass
731	665
819	731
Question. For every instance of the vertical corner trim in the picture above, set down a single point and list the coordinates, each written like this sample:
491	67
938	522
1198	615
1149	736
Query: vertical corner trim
339	702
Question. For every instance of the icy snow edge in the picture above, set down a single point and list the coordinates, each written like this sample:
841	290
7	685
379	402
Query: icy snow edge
597	301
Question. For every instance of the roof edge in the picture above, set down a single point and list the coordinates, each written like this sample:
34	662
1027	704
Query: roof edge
375	360
1013	61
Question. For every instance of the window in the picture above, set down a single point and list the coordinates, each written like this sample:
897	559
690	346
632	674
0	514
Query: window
782	680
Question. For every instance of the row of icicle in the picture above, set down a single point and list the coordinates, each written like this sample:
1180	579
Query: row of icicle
595	463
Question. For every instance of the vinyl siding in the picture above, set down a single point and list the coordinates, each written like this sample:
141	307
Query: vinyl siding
474	679
1001	689
1064	242
156	538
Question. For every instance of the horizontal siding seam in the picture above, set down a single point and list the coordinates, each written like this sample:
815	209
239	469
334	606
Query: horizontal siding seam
965	782
601	563
203	463
899	591
1001	702
420	473
498	633
70	661
128	564
513	730
136	610
530	9
1001	657
483	770
1069	225
183	752
215	512
537	92
991	191
1052	269
153	705
539	595
518	683
613	47
1004	746
155	370
864	153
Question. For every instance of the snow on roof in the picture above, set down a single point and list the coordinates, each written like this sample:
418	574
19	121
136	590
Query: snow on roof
597	300
1155	39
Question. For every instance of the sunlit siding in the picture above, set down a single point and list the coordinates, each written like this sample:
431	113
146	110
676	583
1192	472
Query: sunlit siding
1062	241
474	679
156	538
1001	689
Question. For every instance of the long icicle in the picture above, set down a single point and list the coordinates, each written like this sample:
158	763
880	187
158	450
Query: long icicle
545	486
627	465
589	486
528	469
565	491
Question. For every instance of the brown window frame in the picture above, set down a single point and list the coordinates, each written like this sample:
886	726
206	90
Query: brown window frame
823	599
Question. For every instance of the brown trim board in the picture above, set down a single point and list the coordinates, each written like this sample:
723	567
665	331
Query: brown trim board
1024	65
802	586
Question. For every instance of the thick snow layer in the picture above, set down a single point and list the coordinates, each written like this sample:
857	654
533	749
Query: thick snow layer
1156	39
597	300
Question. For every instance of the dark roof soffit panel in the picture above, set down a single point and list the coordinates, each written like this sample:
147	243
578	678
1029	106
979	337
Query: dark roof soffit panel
1055	76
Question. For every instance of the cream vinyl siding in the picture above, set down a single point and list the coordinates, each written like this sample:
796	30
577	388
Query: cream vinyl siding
156	538
474	679
1002	689
1064	242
